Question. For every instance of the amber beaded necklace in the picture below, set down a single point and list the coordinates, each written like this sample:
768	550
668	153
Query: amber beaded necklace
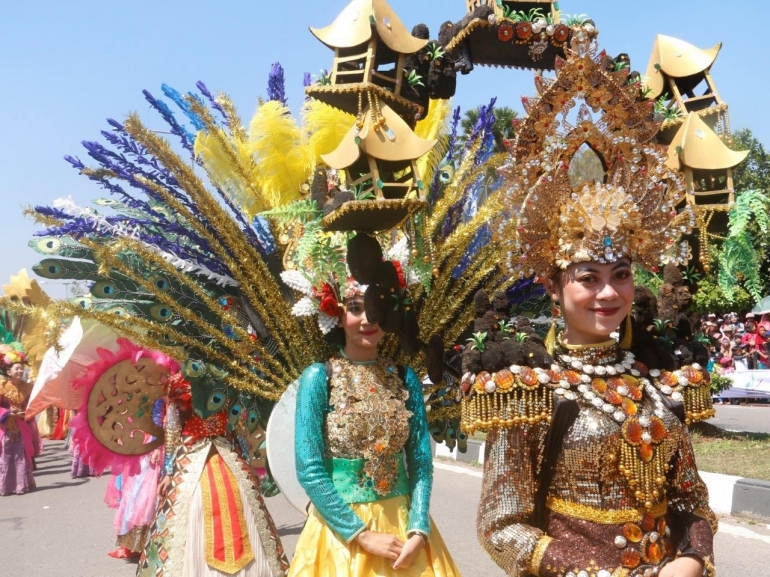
614	385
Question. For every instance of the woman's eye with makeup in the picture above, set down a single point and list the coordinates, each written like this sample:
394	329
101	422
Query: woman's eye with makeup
623	274
586	279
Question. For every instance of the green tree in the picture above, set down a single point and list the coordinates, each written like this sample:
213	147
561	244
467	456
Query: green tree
754	172
502	129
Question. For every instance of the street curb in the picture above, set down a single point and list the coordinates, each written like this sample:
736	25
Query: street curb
728	494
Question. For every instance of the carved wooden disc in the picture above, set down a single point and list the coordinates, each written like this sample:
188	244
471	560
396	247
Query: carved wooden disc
120	406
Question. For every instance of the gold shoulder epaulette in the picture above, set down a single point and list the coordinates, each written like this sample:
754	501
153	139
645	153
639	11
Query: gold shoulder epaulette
515	397
690	385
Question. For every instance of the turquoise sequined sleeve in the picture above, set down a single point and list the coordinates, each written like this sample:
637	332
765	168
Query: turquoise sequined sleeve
419	458
309	449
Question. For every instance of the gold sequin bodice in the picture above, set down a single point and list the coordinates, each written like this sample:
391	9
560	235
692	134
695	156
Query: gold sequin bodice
16	396
367	415
587	470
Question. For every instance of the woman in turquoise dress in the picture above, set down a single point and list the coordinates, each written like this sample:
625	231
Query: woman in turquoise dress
357	417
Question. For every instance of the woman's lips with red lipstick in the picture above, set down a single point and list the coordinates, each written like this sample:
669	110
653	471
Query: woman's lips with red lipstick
368	333
606	312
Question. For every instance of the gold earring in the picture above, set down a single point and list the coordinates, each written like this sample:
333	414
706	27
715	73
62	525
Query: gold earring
550	338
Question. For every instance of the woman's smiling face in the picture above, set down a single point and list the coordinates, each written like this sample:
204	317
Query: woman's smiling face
360	334
595	298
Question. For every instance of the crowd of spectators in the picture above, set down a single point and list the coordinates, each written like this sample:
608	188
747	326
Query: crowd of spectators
737	343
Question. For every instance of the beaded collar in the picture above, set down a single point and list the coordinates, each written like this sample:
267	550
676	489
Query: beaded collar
609	379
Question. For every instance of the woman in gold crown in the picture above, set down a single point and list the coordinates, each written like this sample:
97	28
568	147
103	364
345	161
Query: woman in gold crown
589	469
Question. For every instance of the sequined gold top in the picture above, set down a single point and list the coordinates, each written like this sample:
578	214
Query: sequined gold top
624	496
362	412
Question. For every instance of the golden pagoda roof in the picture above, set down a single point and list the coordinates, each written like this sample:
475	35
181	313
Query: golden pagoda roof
353	27
701	148
677	59
394	141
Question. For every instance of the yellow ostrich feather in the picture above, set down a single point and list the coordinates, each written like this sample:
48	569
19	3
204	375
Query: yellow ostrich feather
433	126
234	180
325	127
27	291
282	157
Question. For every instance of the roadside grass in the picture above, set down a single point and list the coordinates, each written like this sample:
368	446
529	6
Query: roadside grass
740	454
720	451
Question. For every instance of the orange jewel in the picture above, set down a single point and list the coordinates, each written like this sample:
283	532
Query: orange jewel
614	382
572	377
632	532
599	385
662	526
648	523
693	375
630	558
634	392
629	407
641	367
654	553
528	376
553	375
612	396
669	379
633	431
658	430
646	452
504	380
482	379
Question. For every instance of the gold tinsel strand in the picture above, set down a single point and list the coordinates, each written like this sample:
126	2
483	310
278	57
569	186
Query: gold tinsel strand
264	295
109	255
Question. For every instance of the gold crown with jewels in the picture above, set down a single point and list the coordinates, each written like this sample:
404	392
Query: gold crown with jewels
553	216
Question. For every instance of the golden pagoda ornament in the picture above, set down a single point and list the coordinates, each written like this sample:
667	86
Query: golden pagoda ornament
697	130
379	156
680	73
707	163
370	45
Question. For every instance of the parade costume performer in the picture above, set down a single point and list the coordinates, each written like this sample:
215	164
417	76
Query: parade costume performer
211	520
589	467
19	439
190	264
134	496
362	441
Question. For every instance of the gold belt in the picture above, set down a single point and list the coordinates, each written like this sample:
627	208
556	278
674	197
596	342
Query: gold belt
603	516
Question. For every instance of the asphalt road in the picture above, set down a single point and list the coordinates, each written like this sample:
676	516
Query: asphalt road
64	529
747	418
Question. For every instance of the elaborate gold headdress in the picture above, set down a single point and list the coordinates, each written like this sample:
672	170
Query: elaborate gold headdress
553	218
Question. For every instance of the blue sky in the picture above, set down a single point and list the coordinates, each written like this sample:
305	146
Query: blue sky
67	66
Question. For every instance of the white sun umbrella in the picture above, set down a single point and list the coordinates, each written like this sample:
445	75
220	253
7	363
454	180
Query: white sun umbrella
78	349
762	307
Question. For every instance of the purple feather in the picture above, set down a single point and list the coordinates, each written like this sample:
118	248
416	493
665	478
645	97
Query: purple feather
276	84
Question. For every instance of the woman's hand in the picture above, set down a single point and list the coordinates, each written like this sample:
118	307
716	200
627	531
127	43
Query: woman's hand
163	485
682	567
411	548
380	544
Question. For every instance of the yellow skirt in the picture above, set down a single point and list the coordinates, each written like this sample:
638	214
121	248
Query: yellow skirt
321	552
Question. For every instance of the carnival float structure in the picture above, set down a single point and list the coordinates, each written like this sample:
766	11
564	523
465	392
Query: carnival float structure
697	132
211	270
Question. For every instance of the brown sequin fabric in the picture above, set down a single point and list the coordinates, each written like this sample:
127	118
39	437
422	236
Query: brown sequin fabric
368	418
599	521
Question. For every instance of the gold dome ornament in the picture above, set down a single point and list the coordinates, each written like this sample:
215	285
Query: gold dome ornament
632	212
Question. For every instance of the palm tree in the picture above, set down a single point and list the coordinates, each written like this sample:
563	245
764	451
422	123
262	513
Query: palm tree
502	129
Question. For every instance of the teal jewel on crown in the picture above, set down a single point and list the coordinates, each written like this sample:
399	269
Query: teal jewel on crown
607	240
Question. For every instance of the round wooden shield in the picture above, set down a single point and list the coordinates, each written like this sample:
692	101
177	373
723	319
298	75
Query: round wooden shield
120	406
